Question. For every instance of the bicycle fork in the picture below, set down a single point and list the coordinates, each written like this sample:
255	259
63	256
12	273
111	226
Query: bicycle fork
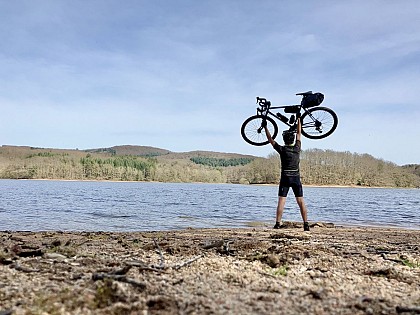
261	112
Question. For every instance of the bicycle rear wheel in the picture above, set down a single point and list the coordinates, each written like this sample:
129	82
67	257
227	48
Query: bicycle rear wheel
254	134
318	122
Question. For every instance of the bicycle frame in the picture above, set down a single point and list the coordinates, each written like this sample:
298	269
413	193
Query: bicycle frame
266	110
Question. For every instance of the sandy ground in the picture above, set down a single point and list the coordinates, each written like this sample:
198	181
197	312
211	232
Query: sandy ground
329	270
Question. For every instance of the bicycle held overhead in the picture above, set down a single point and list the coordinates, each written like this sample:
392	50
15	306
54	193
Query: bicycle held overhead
317	122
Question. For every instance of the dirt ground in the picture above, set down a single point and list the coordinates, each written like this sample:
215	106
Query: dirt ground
329	270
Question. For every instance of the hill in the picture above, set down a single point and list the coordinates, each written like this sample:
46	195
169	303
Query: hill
210	154
146	151
144	163
135	150
413	168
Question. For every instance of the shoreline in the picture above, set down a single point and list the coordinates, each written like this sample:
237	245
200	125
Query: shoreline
124	181
247	225
244	225
329	270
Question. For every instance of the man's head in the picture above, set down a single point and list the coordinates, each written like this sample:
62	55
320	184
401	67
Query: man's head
288	137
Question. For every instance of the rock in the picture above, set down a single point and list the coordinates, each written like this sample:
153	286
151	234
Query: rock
6	312
55	243
273	261
30	253
54	256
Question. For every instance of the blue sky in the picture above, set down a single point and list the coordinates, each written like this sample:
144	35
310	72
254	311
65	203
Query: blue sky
183	75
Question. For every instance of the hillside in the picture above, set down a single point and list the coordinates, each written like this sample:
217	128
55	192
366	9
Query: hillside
143	163
412	168
131	150
146	151
211	154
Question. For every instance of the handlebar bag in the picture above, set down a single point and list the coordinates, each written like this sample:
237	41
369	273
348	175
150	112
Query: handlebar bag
312	100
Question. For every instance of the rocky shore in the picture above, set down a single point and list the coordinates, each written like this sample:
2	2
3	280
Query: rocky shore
329	270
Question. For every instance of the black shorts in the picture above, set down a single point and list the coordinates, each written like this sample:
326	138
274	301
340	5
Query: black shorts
287	181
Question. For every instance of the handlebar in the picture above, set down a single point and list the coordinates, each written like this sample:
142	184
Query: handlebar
265	106
263	102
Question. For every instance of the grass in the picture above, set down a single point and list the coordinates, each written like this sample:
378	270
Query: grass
106	294
281	271
411	264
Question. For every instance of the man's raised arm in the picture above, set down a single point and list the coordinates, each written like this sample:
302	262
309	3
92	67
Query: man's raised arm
267	133
299	130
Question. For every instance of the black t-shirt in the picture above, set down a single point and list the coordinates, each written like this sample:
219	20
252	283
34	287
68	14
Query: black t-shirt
290	158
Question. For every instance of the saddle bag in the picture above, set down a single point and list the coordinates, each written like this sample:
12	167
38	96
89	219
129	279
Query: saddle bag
312	100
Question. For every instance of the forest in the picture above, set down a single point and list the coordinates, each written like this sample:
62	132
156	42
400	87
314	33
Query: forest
318	167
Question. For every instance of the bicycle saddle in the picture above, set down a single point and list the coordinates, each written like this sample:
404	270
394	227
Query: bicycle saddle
305	93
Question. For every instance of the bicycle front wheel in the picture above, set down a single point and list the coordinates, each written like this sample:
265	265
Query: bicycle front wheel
319	122
254	134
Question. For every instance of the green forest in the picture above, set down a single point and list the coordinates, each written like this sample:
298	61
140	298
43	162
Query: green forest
215	162
318	167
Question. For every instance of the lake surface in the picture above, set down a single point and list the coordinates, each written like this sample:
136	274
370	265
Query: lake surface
31	205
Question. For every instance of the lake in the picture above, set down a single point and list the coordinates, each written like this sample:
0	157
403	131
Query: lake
37	205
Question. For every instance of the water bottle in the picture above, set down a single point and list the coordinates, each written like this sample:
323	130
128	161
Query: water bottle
292	119
282	117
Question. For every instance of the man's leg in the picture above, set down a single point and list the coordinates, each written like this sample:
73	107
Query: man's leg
298	191
303	212
280	208
283	190
302	207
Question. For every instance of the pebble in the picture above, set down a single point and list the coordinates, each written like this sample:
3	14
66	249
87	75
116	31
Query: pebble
55	256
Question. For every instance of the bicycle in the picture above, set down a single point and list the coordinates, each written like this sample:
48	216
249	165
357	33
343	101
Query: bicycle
316	122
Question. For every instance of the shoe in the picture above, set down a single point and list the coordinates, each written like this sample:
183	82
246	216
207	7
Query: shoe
305	226
277	226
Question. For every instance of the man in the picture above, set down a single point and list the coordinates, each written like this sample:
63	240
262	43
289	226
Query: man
290	177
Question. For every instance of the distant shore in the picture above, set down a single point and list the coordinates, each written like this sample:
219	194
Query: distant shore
329	270
118	181
139	163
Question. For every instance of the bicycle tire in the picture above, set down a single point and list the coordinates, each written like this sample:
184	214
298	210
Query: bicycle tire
252	132
325	116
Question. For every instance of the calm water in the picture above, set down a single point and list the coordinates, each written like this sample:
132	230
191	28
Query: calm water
127	206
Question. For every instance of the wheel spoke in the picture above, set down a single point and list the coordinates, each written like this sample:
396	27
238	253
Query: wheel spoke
319	123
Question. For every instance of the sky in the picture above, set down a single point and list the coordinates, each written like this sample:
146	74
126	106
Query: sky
183	75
